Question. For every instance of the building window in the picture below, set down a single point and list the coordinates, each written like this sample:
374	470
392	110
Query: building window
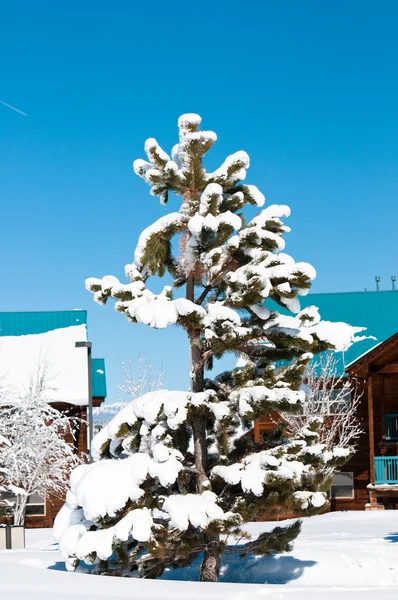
342	486
35	507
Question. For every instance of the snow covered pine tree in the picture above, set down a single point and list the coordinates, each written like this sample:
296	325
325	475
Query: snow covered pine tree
177	470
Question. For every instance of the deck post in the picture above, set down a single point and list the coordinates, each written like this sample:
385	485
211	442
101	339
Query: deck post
257	430
371	429
382	408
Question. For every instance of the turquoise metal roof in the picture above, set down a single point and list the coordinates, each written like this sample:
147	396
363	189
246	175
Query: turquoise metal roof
29	323
26	323
99	377
377	311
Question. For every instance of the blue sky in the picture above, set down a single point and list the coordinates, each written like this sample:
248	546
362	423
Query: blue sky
309	89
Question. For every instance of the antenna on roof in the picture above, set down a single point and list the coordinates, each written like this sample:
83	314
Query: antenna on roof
393	280
377	279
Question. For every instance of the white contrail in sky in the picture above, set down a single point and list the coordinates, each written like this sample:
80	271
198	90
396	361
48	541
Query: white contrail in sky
13	108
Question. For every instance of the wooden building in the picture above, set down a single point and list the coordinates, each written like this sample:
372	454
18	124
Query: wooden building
370	479
26	335
375	466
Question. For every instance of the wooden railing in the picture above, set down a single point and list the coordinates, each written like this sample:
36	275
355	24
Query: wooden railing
386	469
392	427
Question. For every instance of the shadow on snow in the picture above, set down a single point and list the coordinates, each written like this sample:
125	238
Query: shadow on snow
274	569
58	566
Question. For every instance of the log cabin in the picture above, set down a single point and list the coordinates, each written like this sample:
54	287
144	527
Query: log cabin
29	337
370	479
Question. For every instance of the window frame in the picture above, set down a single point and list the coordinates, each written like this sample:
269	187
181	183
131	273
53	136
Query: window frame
11	498
44	504
353	487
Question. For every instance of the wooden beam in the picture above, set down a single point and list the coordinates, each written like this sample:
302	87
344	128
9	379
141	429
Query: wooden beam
371	429
382	407
256	432
378	350
391	368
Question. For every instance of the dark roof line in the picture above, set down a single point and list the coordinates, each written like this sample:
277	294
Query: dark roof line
372	353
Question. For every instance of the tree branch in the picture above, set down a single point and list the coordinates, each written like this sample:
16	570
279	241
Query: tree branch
204	294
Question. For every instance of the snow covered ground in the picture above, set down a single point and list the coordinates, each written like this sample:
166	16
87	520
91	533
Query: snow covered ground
349	555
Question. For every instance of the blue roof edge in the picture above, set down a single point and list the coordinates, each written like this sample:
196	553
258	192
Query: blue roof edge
99	378
36	322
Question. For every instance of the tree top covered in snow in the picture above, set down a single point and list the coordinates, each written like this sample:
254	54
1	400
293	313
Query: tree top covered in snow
239	265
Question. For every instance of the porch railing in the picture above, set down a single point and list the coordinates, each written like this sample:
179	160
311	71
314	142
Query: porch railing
392	427
386	469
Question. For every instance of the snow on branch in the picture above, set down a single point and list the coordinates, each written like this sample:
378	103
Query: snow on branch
308	327
166	226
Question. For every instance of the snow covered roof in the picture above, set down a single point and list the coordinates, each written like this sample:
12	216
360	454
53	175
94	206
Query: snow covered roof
47	339
377	311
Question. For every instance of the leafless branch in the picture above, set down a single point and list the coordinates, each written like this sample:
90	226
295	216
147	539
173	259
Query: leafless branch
334	400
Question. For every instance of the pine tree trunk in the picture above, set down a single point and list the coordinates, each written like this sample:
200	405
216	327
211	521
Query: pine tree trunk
210	567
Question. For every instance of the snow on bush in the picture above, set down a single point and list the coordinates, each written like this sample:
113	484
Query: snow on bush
35	454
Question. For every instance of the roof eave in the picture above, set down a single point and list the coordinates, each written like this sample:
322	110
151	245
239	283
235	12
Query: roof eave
371	355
